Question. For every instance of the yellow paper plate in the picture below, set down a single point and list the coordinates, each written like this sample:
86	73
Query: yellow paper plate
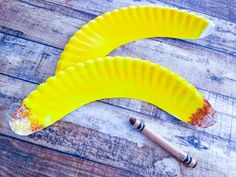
113	29
110	77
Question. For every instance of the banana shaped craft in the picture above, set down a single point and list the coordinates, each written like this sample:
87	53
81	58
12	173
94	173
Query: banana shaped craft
113	29
84	74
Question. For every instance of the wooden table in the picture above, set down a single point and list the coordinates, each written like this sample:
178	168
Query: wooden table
96	140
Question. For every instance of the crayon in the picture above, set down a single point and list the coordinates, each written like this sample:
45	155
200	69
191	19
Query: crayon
180	155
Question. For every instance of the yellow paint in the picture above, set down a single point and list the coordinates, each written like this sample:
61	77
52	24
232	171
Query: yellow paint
110	77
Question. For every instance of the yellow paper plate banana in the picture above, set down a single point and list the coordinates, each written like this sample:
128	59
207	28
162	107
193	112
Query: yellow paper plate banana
110	77
113	29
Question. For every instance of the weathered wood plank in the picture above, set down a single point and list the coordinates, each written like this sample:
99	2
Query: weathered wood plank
216	8
104	135
58	23
24	159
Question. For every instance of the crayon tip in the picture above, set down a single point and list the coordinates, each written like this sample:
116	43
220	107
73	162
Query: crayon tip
132	120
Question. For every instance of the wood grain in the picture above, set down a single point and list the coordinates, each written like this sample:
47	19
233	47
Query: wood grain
26	159
58	23
216	8
96	137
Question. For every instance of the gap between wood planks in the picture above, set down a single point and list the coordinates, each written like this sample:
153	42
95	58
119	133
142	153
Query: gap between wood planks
33	157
